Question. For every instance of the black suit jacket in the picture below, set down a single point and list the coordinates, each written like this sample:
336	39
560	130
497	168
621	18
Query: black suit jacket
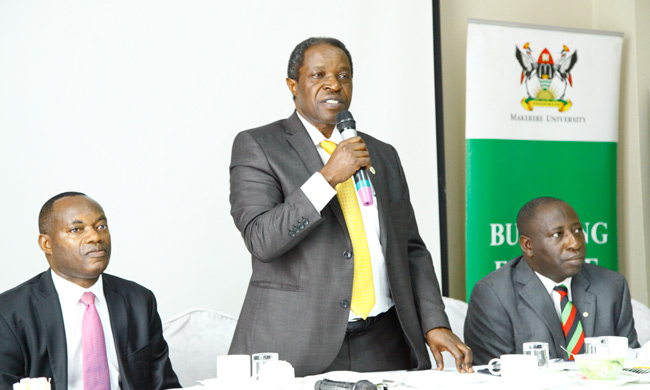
297	302
511	306
32	337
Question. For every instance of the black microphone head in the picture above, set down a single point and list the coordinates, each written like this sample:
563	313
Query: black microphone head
344	120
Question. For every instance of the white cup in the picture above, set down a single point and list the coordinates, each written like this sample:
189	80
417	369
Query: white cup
515	367
539	349
233	367
606	345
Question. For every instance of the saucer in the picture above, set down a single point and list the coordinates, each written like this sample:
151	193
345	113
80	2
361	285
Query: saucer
621	379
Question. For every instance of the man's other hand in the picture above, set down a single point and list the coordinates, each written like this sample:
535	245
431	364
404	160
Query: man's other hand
443	339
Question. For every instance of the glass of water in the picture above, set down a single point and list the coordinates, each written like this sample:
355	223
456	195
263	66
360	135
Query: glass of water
540	350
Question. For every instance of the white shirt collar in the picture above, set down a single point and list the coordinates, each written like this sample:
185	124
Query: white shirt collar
550	285
316	135
71	292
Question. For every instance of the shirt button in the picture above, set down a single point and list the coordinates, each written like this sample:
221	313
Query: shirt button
347	254
344	304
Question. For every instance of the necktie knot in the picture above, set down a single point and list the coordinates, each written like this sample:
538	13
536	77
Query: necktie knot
88	298
562	289
329	146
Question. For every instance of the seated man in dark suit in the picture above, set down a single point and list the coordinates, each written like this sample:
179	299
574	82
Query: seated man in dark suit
74	324
526	299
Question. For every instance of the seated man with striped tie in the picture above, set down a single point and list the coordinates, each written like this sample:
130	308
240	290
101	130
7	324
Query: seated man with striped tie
74	324
548	293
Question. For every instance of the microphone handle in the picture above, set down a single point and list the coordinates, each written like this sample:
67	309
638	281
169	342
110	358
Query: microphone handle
362	184
361	178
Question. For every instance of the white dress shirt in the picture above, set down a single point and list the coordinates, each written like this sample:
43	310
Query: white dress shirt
319	192
73	312
555	296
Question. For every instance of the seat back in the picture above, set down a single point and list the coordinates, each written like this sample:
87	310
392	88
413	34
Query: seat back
195	339
456	311
641	314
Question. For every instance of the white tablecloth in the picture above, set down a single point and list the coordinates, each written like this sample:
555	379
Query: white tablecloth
448	379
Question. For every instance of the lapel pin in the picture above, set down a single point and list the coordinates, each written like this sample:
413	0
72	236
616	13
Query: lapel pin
372	170
585	314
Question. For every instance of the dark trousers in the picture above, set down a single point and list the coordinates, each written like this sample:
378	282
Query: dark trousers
377	344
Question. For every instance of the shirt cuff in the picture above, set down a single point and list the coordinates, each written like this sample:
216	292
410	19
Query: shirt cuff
318	191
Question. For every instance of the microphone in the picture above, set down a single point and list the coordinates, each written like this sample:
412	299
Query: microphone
347	127
327	384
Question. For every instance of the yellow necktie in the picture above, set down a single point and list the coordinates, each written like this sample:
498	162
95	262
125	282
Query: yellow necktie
363	290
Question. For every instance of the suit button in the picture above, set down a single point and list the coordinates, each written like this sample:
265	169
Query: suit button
305	221
292	233
344	304
347	254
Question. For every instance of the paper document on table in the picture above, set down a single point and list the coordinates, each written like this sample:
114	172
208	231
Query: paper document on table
216	384
562	365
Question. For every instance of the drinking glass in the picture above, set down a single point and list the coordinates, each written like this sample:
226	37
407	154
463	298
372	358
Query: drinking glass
606	345
540	351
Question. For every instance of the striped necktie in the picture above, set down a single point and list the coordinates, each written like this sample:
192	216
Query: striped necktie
571	324
363	290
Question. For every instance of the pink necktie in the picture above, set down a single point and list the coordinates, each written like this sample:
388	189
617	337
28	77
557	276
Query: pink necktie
93	347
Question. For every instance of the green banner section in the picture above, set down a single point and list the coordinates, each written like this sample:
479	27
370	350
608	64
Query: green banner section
502	175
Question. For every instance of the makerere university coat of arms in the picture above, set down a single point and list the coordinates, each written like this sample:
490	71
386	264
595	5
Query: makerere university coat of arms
546	81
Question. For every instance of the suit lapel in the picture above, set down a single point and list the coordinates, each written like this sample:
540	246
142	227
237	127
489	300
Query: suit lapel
584	301
49	312
532	291
119	323
302	143
378	182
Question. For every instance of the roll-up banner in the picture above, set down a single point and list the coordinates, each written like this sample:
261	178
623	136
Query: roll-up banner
541	120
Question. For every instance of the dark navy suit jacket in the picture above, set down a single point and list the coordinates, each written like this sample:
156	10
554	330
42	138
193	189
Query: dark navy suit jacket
33	344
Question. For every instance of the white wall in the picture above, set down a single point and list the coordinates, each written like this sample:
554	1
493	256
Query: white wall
136	103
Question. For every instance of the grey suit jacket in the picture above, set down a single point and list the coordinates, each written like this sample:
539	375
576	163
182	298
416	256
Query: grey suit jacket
297	302
511	306
32	338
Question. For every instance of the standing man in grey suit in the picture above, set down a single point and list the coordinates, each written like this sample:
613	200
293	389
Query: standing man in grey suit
522	300
43	322
284	200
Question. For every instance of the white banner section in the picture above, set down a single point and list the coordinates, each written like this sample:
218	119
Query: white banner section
549	83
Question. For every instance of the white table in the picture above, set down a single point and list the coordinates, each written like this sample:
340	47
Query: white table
443	380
